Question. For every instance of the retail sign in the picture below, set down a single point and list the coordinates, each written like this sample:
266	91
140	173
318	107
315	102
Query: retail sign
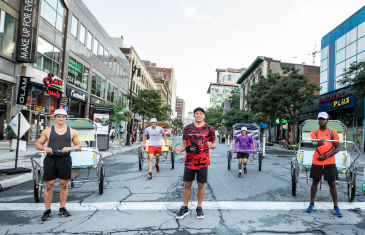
49	80
54	93
24	85
28	31
336	101
100	109
63	103
77	94
55	82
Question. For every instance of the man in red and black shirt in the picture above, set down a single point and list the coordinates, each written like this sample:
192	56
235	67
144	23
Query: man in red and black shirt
198	138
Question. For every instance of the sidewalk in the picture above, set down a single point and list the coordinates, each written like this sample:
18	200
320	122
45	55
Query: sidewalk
7	160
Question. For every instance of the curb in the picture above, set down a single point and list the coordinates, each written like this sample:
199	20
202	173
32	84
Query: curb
7	183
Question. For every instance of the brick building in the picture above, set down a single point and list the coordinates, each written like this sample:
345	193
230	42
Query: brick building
180	108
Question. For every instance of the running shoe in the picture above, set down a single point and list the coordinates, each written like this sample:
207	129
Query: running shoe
311	208
46	215
184	211
157	168
12	150
64	212
199	213
239	174
336	211
149	176
245	170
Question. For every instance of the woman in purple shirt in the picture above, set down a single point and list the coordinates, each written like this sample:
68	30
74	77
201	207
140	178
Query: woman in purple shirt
244	147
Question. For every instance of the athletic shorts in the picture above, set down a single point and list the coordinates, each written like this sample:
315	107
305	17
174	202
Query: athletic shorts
57	167
201	175
112	137
154	150
330	172
11	136
242	155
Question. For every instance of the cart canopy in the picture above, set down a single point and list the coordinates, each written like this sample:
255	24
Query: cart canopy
84	127
307	126
252	129
164	125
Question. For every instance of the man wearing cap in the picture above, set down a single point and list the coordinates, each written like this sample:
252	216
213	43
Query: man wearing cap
198	138
57	164
244	148
154	144
324	162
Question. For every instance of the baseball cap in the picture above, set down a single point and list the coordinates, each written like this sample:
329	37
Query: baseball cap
59	111
199	109
323	115
153	120
244	128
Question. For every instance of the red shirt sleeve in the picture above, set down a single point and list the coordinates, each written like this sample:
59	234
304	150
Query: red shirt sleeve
185	134
211	136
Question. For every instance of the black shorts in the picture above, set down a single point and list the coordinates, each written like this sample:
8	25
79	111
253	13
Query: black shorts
57	167
201	175
330	172
242	155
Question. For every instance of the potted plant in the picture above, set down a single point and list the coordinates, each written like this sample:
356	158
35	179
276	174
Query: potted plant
223	139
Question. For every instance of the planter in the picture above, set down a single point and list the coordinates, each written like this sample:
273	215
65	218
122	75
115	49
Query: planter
223	141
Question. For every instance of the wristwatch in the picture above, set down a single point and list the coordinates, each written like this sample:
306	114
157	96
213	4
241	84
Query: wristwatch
326	156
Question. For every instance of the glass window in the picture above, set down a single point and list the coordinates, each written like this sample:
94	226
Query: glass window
118	66
8	27
101	52
115	65
89	40
112	93
96	44
77	74
74	26
106	57
111	60
82	34
98	86
53	12
48	57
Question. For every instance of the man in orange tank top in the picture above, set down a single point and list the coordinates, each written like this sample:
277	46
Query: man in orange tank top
324	162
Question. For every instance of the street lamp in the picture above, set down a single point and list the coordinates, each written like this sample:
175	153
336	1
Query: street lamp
134	69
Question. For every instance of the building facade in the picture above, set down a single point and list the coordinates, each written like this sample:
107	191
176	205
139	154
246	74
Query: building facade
180	109
226	81
73	62
342	46
261	66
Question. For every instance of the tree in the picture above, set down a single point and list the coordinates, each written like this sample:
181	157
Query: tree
177	124
354	78
282	95
214	116
118	111
234	98
149	104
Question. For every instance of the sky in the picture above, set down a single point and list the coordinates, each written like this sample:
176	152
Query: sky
197	36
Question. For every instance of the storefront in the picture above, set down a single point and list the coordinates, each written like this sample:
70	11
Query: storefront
6	90
349	111
43	99
77	102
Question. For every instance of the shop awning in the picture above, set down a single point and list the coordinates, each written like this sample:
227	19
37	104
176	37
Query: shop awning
84	128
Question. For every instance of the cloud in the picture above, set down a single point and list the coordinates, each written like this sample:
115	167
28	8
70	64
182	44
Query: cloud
238	32
193	13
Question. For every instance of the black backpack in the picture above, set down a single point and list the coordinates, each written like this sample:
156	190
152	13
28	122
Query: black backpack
331	134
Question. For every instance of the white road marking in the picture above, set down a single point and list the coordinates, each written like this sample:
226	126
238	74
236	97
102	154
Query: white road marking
224	205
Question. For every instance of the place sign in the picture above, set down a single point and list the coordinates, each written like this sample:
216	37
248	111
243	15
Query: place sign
28	31
100	109
335	101
76	94
23	89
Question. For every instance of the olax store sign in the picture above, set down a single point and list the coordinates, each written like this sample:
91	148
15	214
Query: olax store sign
336	101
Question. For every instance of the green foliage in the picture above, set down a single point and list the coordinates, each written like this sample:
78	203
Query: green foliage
354	78
269	144
234	98
149	104
282	94
118	111
291	147
213	116
177	124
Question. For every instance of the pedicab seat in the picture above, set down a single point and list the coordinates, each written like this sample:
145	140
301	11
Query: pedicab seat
306	157
81	159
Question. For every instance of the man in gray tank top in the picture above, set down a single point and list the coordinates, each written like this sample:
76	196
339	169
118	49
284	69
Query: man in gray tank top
57	164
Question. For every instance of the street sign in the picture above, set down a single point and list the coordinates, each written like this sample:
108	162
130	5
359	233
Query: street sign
24	125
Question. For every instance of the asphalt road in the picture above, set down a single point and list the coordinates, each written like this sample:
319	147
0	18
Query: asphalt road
257	203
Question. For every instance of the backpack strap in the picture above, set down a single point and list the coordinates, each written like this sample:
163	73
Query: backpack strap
331	134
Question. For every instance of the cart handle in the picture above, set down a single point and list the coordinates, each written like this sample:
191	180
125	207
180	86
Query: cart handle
237	150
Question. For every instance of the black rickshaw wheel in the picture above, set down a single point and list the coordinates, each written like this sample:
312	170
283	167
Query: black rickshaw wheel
229	156
101	182
38	190
294	183
140	160
172	160
260	161
351	190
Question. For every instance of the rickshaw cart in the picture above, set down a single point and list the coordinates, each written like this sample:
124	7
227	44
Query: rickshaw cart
82	160
166	147
346	166
253	131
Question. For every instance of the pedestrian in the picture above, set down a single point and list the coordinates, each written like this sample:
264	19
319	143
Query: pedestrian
87	143
112	135
57	164
324	162
9	134
244	147
198	138
154	144
121	133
